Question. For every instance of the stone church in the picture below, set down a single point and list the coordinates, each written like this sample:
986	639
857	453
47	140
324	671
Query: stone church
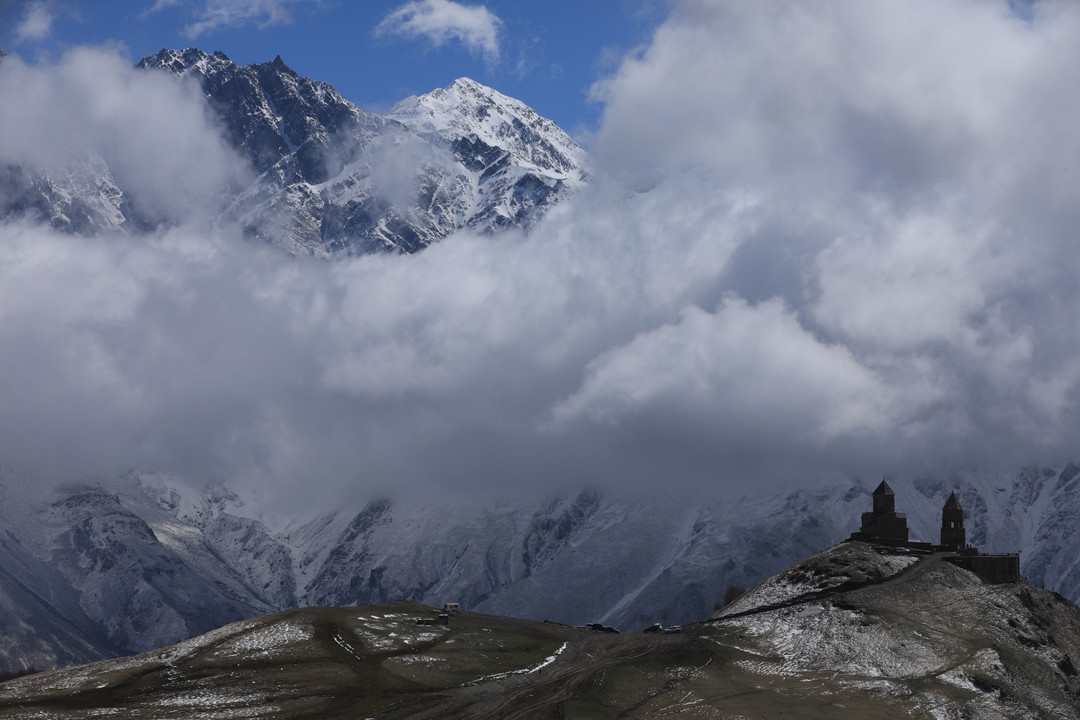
884	526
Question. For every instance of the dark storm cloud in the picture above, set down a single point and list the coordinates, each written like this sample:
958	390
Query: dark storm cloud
822	236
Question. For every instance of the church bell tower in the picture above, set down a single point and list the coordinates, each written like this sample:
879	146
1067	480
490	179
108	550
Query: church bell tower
953	534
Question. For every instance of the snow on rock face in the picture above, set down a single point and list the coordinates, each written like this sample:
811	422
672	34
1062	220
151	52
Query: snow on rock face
188	61
517	163
334	179
207	518
83	197
469	112
41	623
146	577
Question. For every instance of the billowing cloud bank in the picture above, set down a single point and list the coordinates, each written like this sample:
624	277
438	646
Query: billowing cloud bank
826	236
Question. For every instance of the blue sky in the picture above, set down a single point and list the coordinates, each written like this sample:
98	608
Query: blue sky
546	54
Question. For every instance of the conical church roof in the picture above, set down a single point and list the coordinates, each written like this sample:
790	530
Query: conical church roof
884	489
952	503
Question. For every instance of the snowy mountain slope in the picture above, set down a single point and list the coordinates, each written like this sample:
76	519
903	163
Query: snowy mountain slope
736	543
135	547
1035	511
270	113
41	622
518	162
152	559
333	178
882	635
144	575
81	197
593	557
468	110
579	559
203	524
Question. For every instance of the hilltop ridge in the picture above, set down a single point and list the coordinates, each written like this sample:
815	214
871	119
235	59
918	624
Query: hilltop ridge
853	632
579	558
917	629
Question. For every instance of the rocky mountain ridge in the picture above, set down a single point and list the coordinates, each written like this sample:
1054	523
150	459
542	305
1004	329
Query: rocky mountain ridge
326	177
148	559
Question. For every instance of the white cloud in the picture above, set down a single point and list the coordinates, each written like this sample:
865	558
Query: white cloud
37	22
443	21
908	207
742	373
237	13
160	5
817	240
156	135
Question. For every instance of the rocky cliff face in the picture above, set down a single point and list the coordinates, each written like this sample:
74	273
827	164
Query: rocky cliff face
509	160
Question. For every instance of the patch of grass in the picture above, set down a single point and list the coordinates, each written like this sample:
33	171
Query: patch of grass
6	675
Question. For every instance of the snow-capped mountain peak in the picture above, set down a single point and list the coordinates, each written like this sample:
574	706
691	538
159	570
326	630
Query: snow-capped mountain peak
481	160
466	108
327	177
